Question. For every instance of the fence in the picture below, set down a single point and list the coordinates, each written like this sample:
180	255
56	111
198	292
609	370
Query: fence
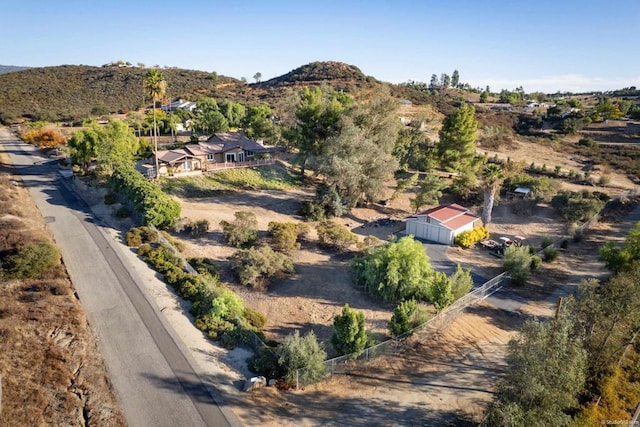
235	165
342	364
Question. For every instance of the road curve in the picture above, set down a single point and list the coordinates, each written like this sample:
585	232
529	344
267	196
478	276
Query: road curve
150	369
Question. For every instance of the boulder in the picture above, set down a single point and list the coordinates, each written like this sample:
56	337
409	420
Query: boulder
254	382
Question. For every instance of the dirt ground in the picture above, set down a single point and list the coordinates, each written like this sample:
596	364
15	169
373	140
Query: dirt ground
51	370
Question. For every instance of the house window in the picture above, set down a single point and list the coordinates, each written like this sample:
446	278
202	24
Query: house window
249	153
211	157
186	166
230	157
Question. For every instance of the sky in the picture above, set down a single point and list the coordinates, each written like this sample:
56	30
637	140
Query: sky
542	45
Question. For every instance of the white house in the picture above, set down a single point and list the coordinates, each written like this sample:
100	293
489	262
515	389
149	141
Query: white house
441	224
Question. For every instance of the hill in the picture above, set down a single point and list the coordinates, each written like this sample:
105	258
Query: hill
10	68
72	92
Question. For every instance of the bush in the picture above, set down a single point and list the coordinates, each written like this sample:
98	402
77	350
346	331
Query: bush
578	206
285	235
335	236
349	336
146	196
461	282
304	353
137	236
31	261
110	199
123	212
204	266
406	316
441	294
536	262
265	363
255	267
546	241
242	231
517	263
588	142
214	326
550	253
396	271
255	318
197	228
468	238
312	211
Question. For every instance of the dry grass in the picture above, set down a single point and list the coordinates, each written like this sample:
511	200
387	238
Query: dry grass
52	372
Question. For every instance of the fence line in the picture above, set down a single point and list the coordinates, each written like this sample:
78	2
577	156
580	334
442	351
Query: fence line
340	365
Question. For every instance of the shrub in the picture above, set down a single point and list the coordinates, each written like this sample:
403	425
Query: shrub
204	266
441	294
546	241
146	196
396	271
550	253
31	261
564	244
350	335
265	363
588	142
536	262
144	249
197	228
461	282
517	263
110	199
242	231
304	353
313	211
335	236
468	238
140	235
578	206
406	316
123	212
285	235
604	180
175	243
214	326
255	267
255	318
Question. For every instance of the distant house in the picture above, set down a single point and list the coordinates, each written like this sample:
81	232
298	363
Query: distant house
180	104
221	151
442	223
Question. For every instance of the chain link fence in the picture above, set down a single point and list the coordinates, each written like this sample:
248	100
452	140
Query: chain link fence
341	365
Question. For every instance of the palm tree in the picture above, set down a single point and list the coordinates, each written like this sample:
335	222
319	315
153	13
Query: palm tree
492	176
155	86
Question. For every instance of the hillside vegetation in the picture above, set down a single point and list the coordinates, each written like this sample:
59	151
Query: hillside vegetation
73	92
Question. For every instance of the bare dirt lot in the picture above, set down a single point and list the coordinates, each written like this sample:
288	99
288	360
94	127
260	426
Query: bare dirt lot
52	373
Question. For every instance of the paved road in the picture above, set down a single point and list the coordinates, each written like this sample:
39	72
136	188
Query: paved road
437	253
152	373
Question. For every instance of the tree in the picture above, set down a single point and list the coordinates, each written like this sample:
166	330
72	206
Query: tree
155	87
413	149
258	123
545	373
233	112
517	263
445	80
116	145
256	266
434	84
624	258
318	115
208	118
484	96
257	76
301	353
461	282
456	148
492	176
396	271
83	145
441	294
429	193
455	79
400	322
350	335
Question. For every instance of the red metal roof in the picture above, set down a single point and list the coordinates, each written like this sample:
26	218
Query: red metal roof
451	216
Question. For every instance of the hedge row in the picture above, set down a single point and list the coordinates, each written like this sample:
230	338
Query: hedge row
468	238
218	311
146	196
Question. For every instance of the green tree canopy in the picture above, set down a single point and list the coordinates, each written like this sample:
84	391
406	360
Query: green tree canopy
258	124
397	271
456	148
301	352
350	335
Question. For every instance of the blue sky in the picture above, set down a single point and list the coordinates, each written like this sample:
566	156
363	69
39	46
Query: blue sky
573	45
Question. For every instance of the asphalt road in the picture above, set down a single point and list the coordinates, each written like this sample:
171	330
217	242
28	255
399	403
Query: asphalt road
150	369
